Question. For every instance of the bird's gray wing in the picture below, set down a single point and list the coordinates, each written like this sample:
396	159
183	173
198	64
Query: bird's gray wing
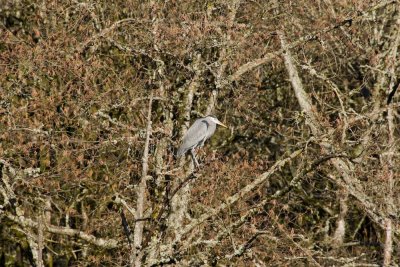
195	134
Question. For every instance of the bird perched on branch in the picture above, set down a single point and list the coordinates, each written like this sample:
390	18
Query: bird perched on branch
201	130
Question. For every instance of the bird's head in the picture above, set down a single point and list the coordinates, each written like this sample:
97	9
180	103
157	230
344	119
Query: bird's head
214	119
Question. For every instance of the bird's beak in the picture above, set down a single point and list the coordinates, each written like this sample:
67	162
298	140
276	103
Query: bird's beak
220	123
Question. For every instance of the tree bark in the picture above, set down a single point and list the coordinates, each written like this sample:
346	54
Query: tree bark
179	203
40	240
141	194
388	247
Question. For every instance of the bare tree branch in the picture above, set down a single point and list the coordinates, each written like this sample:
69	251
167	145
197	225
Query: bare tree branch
244	247
103	33
40	240
255	209
388	247
100	242
141	195
239	195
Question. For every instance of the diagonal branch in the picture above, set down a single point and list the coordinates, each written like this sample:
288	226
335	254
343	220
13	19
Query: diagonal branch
278	194
301	94
230	201
239	195
244	247
103	33
211	243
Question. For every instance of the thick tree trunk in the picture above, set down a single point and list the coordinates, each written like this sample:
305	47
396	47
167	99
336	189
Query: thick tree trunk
179	203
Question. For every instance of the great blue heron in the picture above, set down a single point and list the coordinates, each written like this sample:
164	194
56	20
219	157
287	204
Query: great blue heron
197	134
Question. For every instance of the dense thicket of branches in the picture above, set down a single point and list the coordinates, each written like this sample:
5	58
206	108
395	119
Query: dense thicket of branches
95	97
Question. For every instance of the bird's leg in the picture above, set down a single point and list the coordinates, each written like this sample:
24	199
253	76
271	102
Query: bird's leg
196	163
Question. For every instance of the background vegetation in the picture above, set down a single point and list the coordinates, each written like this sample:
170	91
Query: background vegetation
95	97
